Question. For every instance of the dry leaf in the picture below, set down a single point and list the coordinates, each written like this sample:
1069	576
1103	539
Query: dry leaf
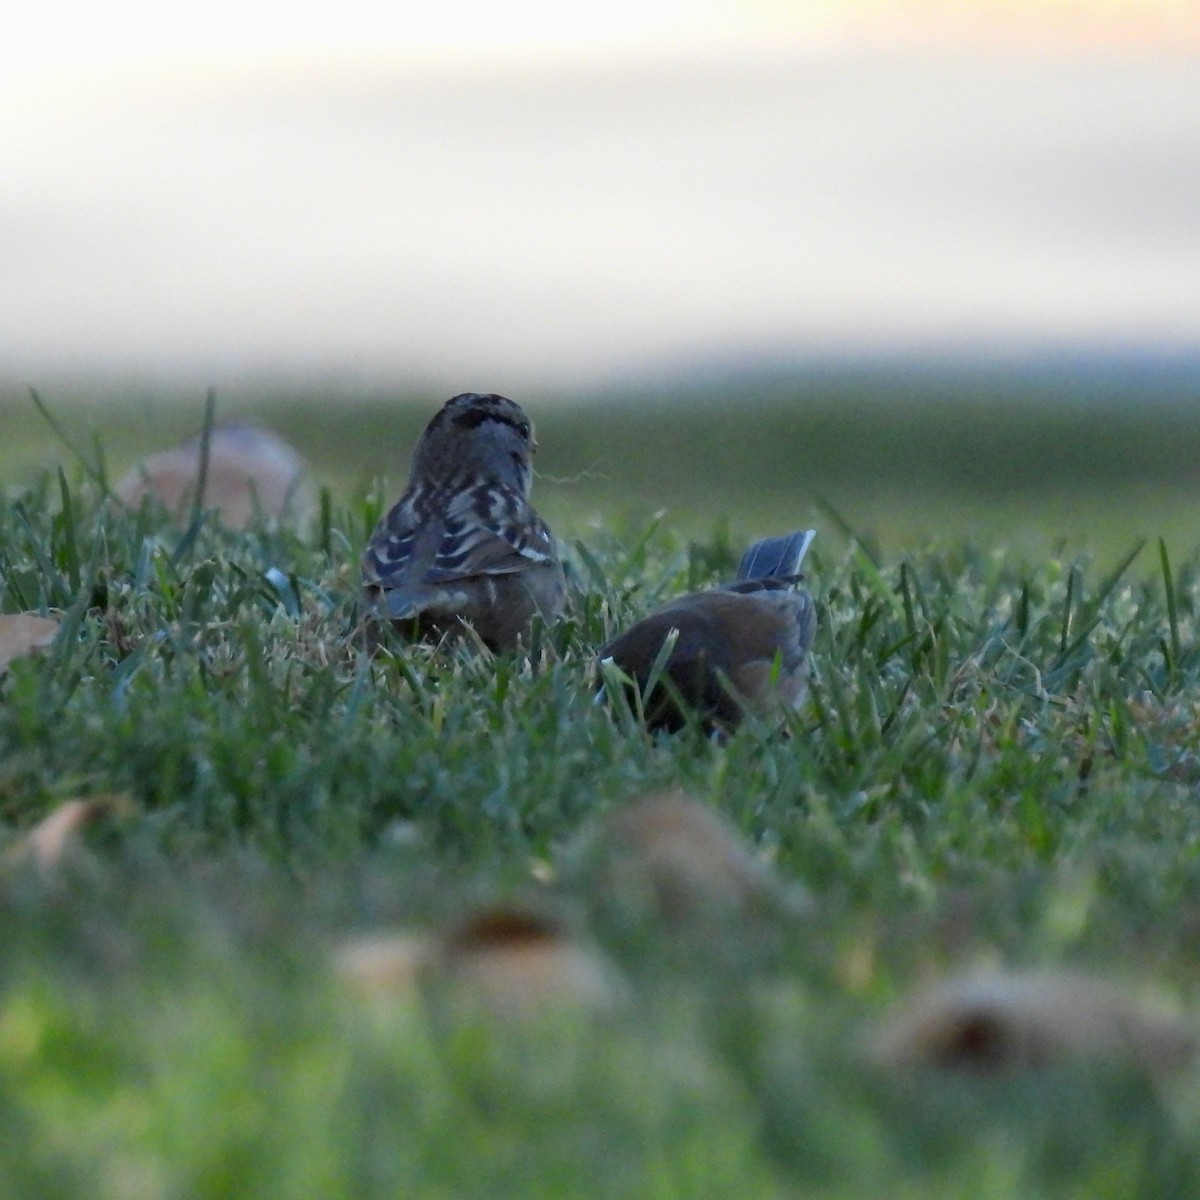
22	633
682	860
59	832
250	471
517	962
383	964
998	1020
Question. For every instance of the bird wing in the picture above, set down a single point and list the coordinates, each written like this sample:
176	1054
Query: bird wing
489	531
485	530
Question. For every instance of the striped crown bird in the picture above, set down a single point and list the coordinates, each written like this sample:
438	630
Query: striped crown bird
463	545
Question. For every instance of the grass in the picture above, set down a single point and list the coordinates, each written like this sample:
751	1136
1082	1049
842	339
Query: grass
908	457
998	763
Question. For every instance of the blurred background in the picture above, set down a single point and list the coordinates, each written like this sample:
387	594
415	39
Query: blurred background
936	265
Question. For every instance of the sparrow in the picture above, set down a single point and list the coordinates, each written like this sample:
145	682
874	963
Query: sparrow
741	648
463	546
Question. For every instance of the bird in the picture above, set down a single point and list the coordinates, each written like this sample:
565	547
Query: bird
463	546
737	649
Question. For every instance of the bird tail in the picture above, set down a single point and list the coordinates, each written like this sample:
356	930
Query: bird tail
776	557
409	603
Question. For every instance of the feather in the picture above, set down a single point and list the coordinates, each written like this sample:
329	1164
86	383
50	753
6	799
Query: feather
776	557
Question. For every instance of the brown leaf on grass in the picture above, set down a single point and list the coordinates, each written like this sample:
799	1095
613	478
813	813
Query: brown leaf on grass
504	960
23	633
682	861
383	964
517	961
60	832
250	471
1003	1020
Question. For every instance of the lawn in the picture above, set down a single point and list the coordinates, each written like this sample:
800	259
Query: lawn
1029	459
997	765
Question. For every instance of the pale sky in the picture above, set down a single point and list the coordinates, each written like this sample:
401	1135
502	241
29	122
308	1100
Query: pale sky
503	195
130	33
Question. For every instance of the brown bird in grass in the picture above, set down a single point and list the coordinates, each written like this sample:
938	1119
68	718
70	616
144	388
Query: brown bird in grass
738	649
463	546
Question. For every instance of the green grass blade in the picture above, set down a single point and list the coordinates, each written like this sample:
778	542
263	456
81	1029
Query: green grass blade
1175	652
96	473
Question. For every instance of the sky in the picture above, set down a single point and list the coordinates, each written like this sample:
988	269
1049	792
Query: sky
476	196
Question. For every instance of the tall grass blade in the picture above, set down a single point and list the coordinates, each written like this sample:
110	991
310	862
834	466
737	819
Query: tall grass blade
1088	619
1172	608
96	473
66	519
196	519
1068	604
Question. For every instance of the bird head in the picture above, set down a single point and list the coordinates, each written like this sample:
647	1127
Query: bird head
476	436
